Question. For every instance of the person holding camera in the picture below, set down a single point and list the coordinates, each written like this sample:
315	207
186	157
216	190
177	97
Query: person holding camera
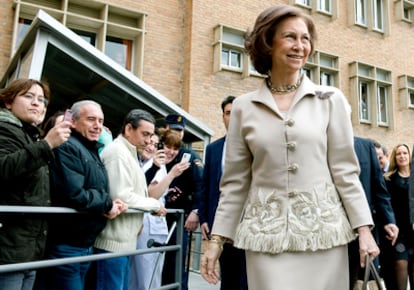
146	270
185	193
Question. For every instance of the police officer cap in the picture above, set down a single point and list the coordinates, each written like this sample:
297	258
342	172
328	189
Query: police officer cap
175	121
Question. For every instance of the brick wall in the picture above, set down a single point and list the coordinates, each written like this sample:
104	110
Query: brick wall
178	60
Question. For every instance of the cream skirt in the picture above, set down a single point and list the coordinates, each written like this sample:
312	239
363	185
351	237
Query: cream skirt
321	270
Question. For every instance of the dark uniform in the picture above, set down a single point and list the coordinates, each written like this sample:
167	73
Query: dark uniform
184	193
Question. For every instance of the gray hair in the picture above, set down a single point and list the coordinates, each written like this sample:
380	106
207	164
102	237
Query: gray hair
76	107
135	116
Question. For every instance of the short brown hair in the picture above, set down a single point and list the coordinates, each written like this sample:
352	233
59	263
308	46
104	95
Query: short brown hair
170	138
21	86
258	42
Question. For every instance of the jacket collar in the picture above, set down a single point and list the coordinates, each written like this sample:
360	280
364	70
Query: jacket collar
264	96
8	117
92	145
131	148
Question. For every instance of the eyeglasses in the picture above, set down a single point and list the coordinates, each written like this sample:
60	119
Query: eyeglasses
39	99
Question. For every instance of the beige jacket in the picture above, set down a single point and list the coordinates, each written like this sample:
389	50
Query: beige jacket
290	182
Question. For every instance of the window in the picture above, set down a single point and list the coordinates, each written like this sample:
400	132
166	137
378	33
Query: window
116	31
229	52
378	11
89	37
404	10
370	14
308	71
22	28
382	104
360	12
323	69
120	50
326	79
364	102
406	91
371	93
411	97
231	58
307	3
325	6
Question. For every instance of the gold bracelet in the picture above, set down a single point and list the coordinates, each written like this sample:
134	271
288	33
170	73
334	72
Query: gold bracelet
218	241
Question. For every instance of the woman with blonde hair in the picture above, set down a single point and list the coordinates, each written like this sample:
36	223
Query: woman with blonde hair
400	256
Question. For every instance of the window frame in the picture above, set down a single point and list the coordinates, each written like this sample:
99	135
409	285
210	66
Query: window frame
221	42
372	15
361	12
374	78
404	10
321	6
378	15
317	65
382	88
364	113
406	91
93	18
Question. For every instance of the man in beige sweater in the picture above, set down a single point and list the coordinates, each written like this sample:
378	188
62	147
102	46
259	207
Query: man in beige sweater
126	182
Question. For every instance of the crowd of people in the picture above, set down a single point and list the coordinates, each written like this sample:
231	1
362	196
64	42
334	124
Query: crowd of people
301	196
73	161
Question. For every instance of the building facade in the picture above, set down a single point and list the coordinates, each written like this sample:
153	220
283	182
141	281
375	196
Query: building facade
192	51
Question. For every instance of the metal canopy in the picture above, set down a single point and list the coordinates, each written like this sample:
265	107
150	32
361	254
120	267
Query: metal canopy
76	70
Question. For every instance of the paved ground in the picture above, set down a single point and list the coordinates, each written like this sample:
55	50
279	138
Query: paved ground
196	282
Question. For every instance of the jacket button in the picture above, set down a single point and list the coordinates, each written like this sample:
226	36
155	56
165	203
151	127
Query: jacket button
293	167
291	145
45	233
290	122
292	194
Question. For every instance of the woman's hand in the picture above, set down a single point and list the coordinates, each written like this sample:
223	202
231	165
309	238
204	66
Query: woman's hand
367	245
179	168
209	261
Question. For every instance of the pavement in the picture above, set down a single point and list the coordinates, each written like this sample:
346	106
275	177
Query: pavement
196	282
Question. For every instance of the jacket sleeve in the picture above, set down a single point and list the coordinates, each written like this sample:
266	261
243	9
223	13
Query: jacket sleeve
19	158
197	176
122	181
343	162
70	185
203	207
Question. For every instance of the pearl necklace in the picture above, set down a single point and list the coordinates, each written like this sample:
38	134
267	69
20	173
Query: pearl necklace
283	89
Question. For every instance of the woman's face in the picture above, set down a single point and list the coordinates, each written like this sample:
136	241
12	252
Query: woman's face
170	154
30	106
402	157
151	148
291	45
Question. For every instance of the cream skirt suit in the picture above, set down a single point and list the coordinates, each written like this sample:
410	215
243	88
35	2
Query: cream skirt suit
291	196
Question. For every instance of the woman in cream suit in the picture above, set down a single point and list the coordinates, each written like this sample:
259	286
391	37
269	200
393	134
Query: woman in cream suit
291	196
